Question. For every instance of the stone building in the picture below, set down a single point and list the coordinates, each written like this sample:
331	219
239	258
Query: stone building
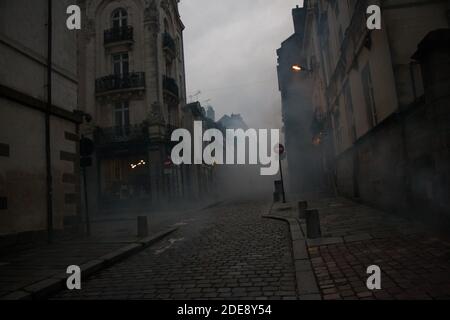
233	121
199	181
381	98
132	82
211	113
305	172
39	170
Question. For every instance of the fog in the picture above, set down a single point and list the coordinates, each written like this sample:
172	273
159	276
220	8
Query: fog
230	54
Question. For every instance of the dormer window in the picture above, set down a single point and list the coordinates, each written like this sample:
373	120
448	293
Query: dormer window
119	18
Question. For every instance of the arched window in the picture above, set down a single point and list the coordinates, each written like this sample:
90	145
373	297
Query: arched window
119	18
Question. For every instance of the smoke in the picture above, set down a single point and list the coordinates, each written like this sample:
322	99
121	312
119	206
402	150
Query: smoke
230	55
243	181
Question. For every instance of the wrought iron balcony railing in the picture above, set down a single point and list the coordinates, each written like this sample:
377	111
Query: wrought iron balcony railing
118	34
106	136
170	85
169	44
131	80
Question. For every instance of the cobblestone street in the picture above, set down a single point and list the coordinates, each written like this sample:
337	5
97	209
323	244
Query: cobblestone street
29	264
264	155
226	252
414	261
413	267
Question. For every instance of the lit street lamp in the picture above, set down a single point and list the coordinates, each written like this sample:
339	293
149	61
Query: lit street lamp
300	68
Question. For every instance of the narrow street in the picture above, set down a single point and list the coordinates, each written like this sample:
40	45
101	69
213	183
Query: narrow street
230	251
227	252
175	150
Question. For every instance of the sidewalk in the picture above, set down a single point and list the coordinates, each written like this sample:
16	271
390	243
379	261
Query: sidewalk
31	269
415	263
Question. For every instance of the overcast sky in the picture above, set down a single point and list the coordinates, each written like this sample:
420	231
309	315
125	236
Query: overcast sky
230	52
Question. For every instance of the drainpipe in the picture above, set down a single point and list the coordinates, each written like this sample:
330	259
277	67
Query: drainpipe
47	125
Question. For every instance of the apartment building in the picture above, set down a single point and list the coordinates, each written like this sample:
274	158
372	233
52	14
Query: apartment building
132	83
382	100
305	174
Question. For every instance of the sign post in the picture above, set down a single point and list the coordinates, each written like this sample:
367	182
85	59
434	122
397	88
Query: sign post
280	150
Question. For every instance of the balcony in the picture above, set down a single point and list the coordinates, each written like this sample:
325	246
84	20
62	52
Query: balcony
120	82
122	35
171	91
121	135
169	46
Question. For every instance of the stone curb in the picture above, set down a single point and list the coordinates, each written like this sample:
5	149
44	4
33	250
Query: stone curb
45	288
307	287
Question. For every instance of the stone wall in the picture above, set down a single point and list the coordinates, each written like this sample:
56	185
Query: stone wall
23	101
398	167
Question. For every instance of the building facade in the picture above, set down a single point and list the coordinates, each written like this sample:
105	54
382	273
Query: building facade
382	101
133	84
39	169
233	121
305	176
210	113
199	181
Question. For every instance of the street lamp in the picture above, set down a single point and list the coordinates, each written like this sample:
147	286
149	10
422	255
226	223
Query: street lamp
299	68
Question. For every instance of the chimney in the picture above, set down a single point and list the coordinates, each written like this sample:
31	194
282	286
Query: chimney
299	17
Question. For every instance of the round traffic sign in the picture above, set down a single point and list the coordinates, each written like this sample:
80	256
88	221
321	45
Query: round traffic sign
279	148
168	162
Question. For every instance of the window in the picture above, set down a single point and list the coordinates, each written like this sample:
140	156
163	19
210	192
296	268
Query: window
4	150
122	118
349	109
372	118
119	18
120	63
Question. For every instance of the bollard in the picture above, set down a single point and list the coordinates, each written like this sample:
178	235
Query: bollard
302	206
313	224
142	226
278	191
276	197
